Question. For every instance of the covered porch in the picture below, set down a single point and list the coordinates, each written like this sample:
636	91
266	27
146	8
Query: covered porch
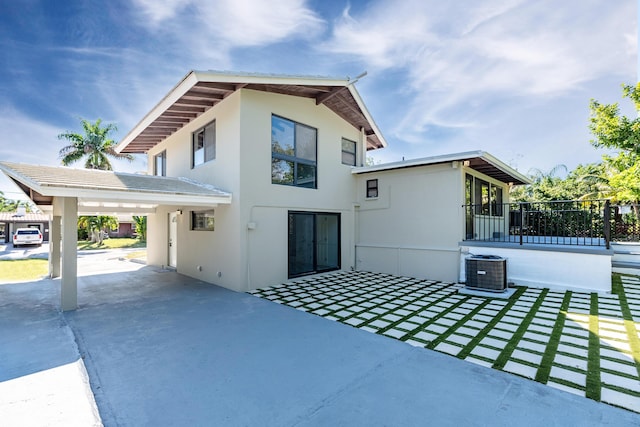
64	193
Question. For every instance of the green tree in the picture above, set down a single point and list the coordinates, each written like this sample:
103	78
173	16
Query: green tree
613	130
94	146
141	227
97	226
7	205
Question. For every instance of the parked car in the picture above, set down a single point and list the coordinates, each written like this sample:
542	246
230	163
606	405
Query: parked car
27	236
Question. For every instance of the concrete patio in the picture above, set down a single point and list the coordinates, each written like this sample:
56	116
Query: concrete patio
586	344
164	349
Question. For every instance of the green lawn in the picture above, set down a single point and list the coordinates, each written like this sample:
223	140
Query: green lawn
23	269
116	243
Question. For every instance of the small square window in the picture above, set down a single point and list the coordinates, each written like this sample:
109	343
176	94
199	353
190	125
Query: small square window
203	221
372	188
348	152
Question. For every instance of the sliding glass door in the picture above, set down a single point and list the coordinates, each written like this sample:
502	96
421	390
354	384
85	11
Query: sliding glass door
314	242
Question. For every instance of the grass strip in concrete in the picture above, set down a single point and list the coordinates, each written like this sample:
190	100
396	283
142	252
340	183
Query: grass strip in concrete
546	363
512	344
593	382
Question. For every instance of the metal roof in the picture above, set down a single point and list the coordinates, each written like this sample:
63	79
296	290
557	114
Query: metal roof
113	191
480	161
198	91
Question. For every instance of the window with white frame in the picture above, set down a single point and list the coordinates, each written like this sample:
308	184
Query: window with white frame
160	164
203	145
348	152
203	220
293	153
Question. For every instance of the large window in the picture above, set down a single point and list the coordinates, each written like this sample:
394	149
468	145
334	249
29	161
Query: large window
486	197
203	145
293	153
160	164
348	152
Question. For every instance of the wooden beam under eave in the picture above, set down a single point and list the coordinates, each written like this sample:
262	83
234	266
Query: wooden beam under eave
204	93
320	99
179	114
185	109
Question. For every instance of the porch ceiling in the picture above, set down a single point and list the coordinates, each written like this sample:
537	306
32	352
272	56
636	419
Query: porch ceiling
199	91
109	192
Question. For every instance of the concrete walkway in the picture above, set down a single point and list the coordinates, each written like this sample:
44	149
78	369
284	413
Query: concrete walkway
162	349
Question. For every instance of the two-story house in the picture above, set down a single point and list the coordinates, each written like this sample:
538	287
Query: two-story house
284	147
256	179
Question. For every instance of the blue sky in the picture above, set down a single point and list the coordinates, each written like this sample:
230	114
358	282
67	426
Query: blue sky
511	77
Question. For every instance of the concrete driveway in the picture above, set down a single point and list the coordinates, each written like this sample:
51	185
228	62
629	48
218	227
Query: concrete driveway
8	252
162	349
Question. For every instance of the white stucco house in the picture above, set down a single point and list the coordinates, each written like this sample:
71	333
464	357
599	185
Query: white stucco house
257	179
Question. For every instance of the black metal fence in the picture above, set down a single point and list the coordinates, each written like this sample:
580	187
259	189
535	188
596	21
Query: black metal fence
569	222
625	223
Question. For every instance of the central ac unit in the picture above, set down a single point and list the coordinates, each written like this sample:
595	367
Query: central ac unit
486	273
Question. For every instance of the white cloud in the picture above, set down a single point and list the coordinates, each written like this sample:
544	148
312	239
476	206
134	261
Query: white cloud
464	69
225	24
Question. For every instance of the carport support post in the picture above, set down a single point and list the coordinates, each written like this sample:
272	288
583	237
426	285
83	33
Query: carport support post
54	239
69	280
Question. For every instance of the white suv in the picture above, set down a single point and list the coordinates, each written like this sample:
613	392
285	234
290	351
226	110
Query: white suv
27	236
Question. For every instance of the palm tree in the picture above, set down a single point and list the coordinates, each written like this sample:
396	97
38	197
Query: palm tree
94	144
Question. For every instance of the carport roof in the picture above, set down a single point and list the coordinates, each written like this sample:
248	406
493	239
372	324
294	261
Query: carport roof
110	191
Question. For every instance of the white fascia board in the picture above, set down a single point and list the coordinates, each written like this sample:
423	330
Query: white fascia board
418	162
23	179
367	115
174	94
455	157
133	196
256	78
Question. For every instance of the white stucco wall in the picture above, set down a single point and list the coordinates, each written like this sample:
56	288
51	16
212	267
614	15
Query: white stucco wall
414	225
553	268
233	255
266	205
217	252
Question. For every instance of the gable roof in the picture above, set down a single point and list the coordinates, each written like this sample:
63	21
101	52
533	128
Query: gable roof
198	91
480	161
113	191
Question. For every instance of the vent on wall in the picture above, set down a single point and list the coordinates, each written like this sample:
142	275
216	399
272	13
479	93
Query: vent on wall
486	273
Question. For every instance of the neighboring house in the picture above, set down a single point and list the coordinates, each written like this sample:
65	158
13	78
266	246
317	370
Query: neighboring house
126	227
11	221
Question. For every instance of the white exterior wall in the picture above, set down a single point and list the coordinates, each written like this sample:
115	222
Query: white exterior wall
266	205
553	269
250	258
414	225
217	253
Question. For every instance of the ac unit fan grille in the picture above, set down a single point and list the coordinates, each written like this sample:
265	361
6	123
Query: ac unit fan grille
487	273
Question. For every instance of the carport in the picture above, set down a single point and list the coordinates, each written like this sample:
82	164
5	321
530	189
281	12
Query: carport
65	193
